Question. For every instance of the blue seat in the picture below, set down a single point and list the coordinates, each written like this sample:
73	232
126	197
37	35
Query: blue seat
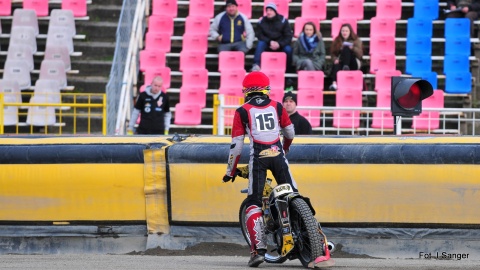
427	9
429	76
457	27
418	63
419	45
456	63
457	45
458	82
419	27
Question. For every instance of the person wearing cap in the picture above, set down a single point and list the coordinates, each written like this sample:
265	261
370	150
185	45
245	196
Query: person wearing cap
232	29
274	34
261	119
300	123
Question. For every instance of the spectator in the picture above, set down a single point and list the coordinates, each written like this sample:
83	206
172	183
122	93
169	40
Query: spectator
309	49
300	123
346	52
232	29
274	34
464	9
153	107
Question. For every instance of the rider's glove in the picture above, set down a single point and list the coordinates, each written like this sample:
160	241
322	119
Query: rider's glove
227	178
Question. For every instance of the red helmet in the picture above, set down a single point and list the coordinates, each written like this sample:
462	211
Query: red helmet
256	82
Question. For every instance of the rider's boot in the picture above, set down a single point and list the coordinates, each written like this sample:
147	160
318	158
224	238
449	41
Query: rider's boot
256	229
257	257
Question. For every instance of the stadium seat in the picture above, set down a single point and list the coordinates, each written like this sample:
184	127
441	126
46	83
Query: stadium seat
195	77
158	41
40	6
58	52
419	45
194	42
230	60
383	79
188	114
277	94
230	91
193	95
5	7
351	80
429	76
231	96
48	88
63	18
10	113
419	27
456	63
24	36
458	45
382	44
54	70
245	7
40	115
426	9
314	9
310	97
160	24
78	7
199	25
383	119
165	8
347	118
152	59
164	72
350	9
429	120
382	62
457	27
300	22
418	63
277	78
19	71
389	9
21	52
192	60
338	22
25	18
310	80
282	7
382	26
458	83
201	8
60	35
273	61
232	78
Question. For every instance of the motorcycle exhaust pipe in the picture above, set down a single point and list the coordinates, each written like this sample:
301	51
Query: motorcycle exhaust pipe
331	246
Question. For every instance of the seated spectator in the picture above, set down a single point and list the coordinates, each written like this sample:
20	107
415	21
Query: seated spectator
300	123
346	52
232	29
274	34
309	49
464	9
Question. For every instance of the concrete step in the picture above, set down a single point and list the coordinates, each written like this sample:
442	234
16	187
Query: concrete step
93	67
99	50
104	12
88	84
105	32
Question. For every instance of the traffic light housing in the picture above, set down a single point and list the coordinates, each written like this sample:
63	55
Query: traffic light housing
407	95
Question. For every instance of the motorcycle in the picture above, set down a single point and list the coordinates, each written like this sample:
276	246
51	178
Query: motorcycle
292	231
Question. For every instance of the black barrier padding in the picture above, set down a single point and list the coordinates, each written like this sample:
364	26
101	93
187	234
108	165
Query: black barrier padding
72	153
339	153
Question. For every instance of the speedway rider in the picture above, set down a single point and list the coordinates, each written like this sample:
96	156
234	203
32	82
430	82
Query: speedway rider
262	119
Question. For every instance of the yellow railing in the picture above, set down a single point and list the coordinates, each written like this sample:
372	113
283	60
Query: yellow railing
78	114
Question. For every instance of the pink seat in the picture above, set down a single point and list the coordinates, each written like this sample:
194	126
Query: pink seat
277	78
383	79
282	7
245	7
194	42
314	9
201	8
383	119
152	59
193	95
199	25
338	22
79	7
429	120
5	7
347	118
230	60
389	9
380	26
350	9
195	77
192	60
382	62
300	22
160	24
277	93
232	78
40	6
382	44
163	72
230	91
188	114
273	61
158	41
352	80
165	8
310	80
310	97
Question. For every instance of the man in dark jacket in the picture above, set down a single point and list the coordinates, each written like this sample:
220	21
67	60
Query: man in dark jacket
274	34
464	9
300	123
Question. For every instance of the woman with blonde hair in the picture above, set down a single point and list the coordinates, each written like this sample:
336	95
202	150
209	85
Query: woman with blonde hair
309	49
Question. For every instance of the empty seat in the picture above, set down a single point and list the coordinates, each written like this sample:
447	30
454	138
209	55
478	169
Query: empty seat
418	63
458	83
232	78
245	7
60	35
277	93
314	9
160	24
282	7
352	80
21	52
24	36
164	72
230	60
194	42
39	6
382	26
63	18
389	9
10	113
58	52
152	59
26	18
192	60
429	76
201	8
310	80
382	44
195	77
382	62
49	89
456	63
310	97
54	70
383	119
419	45
78	7
158	41
419	27
18	71
383	79
300	22
429	120
277	79
426	9
188	114
230	91
193	95
199	25
350	9
457	27
40	115
338	22
10	88
457	45
5	7
273	61
347	118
